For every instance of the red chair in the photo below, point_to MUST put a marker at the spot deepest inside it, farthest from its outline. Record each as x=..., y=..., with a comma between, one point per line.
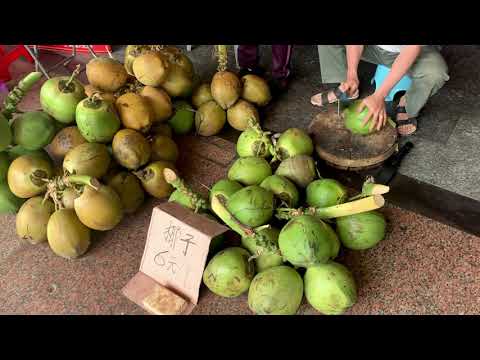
x=7, y=58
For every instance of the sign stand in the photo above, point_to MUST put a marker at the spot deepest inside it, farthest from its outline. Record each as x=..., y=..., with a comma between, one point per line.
x=173, y=262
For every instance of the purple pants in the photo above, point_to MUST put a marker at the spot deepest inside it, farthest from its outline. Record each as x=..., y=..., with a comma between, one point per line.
x=281, y=56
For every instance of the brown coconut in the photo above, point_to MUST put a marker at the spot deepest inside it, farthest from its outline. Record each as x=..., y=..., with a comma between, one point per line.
x=256, y=90
x=151, y=68
x=178, y=83
x=135, y=112
x=210, y=119
x=106, y=74
x=201, y=95
x=226, y=88
x=238, y=115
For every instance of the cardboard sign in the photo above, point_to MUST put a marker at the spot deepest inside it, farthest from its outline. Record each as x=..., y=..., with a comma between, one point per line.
x=98, y=49
x=173, y=262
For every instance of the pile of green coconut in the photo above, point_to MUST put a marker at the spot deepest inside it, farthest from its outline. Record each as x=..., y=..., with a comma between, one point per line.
x=95, y=151
x=292, y=224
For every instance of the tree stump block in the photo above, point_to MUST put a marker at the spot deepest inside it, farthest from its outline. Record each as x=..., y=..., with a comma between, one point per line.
x=343, y=150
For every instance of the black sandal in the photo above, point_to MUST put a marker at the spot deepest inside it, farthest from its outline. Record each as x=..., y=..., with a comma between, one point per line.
x=341, y=96
x=411, y=121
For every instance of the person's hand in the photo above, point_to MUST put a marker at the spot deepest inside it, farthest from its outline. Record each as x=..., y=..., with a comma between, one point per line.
x=376, y=111
x=350, y=85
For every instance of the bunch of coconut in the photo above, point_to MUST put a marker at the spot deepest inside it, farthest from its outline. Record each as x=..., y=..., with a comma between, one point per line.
x=89, y=157
x=292, y=224
x=228, y=99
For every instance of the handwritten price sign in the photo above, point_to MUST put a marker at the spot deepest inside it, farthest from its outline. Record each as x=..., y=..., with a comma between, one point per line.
x=175, y=253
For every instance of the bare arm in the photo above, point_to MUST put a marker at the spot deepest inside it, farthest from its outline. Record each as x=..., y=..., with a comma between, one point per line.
x=399, y=68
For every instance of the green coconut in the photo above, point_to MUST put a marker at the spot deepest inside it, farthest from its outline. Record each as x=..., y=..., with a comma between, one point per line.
x=254, y=142
x=225, y=187
x=183, y=119
x=300, y=169
x=201, y=95
x=4, y=165
x=226, y=88
x=250, y=170
x=32, y=219
x=90, y=159
x=306, y=241
x=33, y=130
x=276, y=291
x=130, y=190
x=361, y=231
x=59, y=97
x=252, y=205
x=5, y=133
x=210, y=119
x=283, y=189
x=293, y=142
x=354, y=119
x=330, y=288
x=67, y=236
x=27, y=176
x=9, y=203
x=326, y=192
x=256, y=90
x=240, y=115
x=97, y=120
x=264, y=258
x=229, y=273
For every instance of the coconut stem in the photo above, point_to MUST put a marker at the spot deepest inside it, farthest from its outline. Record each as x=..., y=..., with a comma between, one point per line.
x=73, y=76
x=197, y=200
x=83, y=180
x=16, y=95
x=369, y=188
x=222, y=56
x=350, y=208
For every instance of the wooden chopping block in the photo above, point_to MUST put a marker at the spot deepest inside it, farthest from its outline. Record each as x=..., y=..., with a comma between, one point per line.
x=341, y=149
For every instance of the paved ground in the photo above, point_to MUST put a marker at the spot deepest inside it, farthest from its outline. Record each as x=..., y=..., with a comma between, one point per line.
x=422, y=267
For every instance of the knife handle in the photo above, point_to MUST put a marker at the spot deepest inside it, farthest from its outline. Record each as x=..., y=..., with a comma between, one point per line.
x=402, y=152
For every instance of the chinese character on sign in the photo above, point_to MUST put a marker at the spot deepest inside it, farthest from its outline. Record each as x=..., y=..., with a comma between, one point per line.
x=172, y=265
x=171, y=234
x=187, y=240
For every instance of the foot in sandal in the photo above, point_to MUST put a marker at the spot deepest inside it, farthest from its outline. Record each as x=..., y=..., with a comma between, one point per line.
x=406, y=125
x=333, y=96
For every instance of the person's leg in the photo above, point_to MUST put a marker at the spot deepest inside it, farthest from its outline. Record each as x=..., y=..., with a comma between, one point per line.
x=429, y=73
x=281, y=58
x=248, y=56
x=333, y=63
